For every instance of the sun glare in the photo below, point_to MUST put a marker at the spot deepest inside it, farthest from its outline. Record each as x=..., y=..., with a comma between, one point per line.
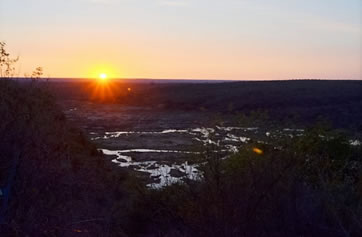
x=103, y=76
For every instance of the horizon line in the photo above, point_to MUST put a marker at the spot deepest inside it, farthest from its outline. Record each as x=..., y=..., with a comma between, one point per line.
x=196, y=79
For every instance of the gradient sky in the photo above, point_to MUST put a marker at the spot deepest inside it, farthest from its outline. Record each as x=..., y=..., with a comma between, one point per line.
x=199, y=39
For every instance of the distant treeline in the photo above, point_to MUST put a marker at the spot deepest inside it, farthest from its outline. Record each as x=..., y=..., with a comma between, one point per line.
x=303, y=102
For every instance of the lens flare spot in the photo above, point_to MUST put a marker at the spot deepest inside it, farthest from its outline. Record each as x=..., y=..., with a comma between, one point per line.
x=258, y=151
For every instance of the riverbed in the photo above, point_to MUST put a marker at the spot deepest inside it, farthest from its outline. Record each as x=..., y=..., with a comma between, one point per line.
x=164, y=147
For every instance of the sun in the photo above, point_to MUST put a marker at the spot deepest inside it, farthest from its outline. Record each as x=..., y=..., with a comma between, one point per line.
x=103, y=76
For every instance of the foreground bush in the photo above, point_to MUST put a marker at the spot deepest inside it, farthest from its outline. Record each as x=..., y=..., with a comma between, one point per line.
x=307, y=186
x=62, y=185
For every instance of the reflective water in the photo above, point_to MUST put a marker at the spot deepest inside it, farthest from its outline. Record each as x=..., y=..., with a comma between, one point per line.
x=172, y=169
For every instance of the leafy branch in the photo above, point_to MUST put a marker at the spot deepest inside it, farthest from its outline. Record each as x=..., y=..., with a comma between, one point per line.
x=7, y=64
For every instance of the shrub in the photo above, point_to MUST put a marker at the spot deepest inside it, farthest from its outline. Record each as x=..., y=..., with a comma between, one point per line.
x=306, y=186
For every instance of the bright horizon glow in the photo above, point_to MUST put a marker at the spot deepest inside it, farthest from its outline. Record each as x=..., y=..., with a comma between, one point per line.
x=185, y=39
x=103, y=76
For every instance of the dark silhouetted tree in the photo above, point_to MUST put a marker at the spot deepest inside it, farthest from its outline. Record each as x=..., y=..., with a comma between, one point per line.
x=37, y=73
x=7, y=63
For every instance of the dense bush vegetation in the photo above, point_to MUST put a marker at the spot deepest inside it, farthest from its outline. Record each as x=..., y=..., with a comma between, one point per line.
x=307, y=186
x=62, y=186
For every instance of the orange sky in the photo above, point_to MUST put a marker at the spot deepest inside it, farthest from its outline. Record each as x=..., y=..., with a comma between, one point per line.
x=184, y=39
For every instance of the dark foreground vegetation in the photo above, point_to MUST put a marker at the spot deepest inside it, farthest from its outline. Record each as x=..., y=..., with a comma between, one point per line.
x=306, y=186
x=62, y=185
